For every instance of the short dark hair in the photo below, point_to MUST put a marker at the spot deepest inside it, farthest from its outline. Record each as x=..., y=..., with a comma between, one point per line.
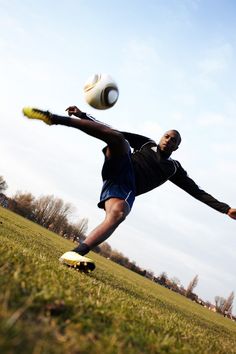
x=178, y=134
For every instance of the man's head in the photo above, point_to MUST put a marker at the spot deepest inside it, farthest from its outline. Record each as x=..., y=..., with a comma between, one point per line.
x=170, y=141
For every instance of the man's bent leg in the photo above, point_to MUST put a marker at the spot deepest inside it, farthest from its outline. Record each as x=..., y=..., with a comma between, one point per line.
x=116, y=212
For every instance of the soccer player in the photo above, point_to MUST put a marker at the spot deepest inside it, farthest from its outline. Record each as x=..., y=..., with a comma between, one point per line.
x=126, y=174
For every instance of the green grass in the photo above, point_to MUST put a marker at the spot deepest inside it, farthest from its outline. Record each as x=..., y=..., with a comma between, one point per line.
x=46, y=307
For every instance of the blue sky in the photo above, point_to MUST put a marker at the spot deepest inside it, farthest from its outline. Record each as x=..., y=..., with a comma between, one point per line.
x=174, y=62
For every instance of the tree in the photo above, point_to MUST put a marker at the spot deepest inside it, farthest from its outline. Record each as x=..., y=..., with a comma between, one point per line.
x=52, y=212
x=149, y=274
x=105, y=249
x=175, y=283
x=76, y=231
x=3, y=184
x=228, y=305
x=220, y=302
x=162, y=279
x=224, y=306
x=81, y=228
x=119, y=258
x=193, y=283
x=24, y=204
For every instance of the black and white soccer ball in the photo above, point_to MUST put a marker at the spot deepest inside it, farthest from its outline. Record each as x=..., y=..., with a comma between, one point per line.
x=101, y=91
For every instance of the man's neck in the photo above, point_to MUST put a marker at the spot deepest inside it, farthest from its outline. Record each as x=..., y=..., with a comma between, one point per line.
x=163, y=153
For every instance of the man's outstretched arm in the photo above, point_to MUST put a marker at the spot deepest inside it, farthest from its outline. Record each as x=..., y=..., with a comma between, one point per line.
x=182, y=180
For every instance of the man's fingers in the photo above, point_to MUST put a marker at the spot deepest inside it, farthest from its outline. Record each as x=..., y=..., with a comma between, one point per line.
x=70, y=110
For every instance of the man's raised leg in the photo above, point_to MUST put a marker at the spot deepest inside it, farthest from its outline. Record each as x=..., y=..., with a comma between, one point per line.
x=118, y=146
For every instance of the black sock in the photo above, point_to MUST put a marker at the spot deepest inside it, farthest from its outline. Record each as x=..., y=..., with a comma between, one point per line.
x=82, y=249
x=62, y=120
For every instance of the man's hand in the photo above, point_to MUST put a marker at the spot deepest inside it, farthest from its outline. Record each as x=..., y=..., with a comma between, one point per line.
x=73, y=110
x=232, y=213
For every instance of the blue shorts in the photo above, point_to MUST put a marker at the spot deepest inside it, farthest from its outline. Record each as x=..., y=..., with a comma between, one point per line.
x=118, y=180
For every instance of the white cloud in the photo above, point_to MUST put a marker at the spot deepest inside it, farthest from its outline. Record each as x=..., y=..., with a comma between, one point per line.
x=185, y=99
x=211, y=119
x=139, y=58
x=226, y=148
x=216, y=60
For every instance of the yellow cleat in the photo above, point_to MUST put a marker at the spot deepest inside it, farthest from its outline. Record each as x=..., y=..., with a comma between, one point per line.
x=81, y=263
x=35, y=113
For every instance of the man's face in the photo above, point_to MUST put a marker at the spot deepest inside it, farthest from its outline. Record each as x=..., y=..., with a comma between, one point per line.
x=170, y=141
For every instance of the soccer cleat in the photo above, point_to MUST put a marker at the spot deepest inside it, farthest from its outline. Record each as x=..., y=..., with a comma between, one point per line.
x=81, y=263
x=35, y=113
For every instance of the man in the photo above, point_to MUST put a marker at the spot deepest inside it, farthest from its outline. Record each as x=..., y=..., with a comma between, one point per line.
x=126, y=174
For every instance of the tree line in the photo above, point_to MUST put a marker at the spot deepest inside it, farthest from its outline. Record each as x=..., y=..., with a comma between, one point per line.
x=54, y=214
x=48, y=211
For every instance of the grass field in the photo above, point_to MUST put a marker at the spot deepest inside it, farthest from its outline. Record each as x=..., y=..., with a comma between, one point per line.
x=46, y=307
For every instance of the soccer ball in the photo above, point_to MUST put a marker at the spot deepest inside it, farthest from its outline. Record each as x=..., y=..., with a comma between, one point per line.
x=101, y=91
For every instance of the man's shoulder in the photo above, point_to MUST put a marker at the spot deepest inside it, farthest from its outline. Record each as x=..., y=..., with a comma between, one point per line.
x=152, y=145
x=149, y=145
x=175, y=162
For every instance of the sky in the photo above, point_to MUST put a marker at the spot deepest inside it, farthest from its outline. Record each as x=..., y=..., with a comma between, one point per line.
x=174, y=62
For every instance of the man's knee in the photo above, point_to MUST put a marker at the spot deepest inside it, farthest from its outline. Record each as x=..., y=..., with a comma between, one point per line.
x=118, y=214
x=117, y=143
x=116, y=137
